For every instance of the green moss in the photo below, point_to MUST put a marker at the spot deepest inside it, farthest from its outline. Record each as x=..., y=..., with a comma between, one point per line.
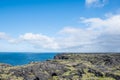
x=55, y=78
x=117, y=72
x=9, y=77
x=66, y=73
x=75, y=77
x=105, y=78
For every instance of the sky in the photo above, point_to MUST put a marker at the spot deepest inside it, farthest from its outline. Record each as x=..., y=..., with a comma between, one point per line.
x=59, y=25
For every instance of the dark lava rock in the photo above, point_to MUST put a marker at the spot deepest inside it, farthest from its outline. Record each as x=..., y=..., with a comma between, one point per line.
x=117, y=77
x=97, y=73
x=39, y=71
x=61, y=56
x=2, y=65
x=65, y=67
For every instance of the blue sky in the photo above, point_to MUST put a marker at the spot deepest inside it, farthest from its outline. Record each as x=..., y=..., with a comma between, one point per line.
x=60, y=25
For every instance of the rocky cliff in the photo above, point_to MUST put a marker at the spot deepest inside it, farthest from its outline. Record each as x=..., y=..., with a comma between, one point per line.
x=67, y=66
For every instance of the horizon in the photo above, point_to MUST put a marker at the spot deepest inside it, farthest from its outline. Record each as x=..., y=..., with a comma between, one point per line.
x=60, y=26
x=65, y=52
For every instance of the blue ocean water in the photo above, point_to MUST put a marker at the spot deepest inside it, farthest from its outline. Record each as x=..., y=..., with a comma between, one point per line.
x=20, y=58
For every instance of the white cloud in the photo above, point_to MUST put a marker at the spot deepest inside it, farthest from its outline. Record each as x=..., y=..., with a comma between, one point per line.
x=100, y=34
x=95, y=3
x=76, y=37
x=39, y=40
x=109, y=25
x=108, y=30
x=3, y=35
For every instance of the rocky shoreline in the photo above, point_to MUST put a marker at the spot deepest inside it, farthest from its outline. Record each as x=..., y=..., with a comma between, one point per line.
x=67, y=66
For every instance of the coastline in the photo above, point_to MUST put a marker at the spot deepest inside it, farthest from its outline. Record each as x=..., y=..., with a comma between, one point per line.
x=66, y=66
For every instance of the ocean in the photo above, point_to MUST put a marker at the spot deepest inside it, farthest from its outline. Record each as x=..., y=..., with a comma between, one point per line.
x=21, y=58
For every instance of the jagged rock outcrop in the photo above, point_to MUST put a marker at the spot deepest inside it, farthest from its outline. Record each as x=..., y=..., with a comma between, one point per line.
x=67, y=66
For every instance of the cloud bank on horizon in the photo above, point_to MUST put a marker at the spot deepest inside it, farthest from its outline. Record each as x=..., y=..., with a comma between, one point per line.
x=100, y=34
